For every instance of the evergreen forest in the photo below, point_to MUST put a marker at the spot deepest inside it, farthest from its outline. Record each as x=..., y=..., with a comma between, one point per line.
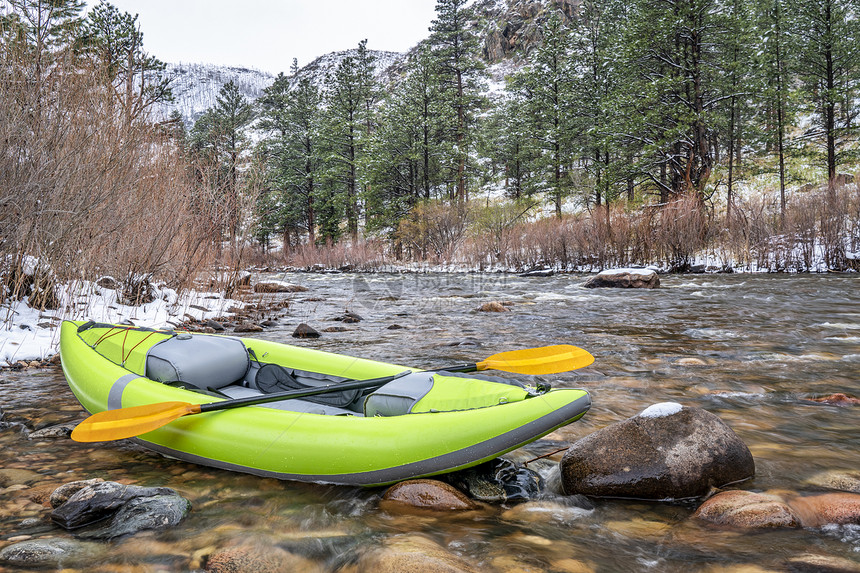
x=626, y=133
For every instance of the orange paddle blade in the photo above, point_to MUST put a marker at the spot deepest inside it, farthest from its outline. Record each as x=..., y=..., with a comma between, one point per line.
x=130, y=422
x=543, y=360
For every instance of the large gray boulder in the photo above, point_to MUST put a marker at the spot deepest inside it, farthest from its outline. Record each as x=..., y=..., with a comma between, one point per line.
x=668, y=451
x=624, y=278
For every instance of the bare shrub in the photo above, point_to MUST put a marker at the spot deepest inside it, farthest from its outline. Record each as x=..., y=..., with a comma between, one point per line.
x=86, y=191
x=434, y=230
x=496, y=232
x=682, y=231
x=365, y=255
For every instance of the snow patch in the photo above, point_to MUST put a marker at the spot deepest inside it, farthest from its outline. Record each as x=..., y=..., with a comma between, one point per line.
x=661, y=410
x=28, y=334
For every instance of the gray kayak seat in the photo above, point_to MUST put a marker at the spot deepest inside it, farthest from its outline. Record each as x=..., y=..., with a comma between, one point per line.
x=398, y=397
x=199, y=362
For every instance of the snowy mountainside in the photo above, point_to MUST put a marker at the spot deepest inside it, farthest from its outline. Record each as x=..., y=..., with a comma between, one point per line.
x=383, y=64
x=196, y=86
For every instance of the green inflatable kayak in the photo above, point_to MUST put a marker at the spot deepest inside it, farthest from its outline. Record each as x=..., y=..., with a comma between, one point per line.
x=417, y=424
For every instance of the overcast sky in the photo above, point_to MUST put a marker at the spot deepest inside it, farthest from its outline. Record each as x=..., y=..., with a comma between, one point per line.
x=268, y=34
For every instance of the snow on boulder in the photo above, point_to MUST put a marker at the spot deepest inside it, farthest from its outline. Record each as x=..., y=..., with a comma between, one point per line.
x=668, y=451
x=661, y=410
x=624, y=278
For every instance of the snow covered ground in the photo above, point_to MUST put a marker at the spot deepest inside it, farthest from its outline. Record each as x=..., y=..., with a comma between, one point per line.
x=32, y=335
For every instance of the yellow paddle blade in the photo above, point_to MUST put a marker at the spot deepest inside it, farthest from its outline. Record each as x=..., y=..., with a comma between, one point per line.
x=130, y=422
x=543, y=360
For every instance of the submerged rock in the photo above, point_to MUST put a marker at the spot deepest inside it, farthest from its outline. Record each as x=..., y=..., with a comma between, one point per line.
x=829, y=508
x=130, y=509
x=54, y=553
x=747, y=509
x=498, y=481
x=18, y=476
x=271, y=287
x=812, y=563
x=427, y=494
x=248, y=327
x=58, y=431
x=404, y=553
x=841, y=480
x=493, y=306
x=838, y=399
x=62, y=494
x=551, y=512
x=141, y=514
x=256, y=558
x=624, y=278
x=668, y=451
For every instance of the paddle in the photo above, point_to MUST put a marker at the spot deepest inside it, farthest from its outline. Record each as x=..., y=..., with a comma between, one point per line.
x=129, y=422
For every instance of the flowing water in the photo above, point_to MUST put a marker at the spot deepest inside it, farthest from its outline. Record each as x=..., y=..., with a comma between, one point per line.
x=752, y=349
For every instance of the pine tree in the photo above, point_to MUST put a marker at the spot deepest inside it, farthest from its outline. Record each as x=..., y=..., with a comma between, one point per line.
x=218, y=140
x=35, y=33
x=507, y=138
x=774, y=79
x=595, y=119
x=291, y=116
x=737, y=76
x=825, y=34
x=673, y=51
x=460, y=73
x=349, y=97
x=547, y=85
x=403, y=161
x=116, y=42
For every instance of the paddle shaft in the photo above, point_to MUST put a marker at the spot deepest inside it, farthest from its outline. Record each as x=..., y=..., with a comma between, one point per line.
x=302, y=393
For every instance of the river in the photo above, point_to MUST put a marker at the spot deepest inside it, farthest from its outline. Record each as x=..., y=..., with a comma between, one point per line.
x=752, y=349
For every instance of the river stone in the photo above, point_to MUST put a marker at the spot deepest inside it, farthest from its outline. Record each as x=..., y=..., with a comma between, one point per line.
x=62, y=494
x=248, y=327
x=412, y=554
x=837, y=508
x=811, y=563
x=143, y=513
x=17, y=476
x=843, y=480
x=498, y=481
x=58, y=431
x=428, y=494
x=493, y=306
x=668, y=451
x=838, y=399
x=257, y=559
x=305, y=331
x=547, y=512
x=747, y=509
x=624, y=278
x=54, y=553
x=100, y=500
x=278, y=287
